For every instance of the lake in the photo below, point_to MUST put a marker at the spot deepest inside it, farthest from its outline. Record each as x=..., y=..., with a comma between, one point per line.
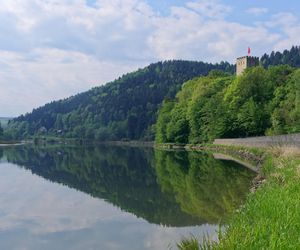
x=109, y=197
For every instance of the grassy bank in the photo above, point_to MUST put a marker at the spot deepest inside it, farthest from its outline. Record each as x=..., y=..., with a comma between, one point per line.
x=270, y=218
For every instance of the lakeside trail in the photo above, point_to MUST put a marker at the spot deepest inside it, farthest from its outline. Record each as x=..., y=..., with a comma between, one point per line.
x=270, y=217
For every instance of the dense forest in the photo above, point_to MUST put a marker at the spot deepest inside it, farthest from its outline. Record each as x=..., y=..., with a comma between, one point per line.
x=216, y=106
x=259, y=102
x=123, y=109
x=288, y=57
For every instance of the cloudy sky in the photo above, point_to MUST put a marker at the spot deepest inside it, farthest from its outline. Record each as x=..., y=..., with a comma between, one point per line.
x=51, y=49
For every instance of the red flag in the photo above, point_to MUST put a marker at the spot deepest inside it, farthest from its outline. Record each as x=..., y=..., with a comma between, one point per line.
x=249, y=51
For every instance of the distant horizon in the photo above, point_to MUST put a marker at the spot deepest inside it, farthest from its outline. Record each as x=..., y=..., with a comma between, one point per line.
x=134, y=70
x=17, y=115
x=51, y=50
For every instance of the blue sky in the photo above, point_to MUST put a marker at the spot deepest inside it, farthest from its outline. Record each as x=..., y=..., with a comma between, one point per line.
x=56, y=48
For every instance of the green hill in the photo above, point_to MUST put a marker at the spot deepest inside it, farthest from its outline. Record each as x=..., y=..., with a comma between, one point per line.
x=123, y=109
x=127, y=108
x=260, y=101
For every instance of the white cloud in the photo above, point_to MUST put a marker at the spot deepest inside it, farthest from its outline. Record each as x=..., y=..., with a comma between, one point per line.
x=290, y=27
x=187, y=34
x=257, y=11
x=31, y=80
x=282, y=20
x=53, y=49
x=209, y=8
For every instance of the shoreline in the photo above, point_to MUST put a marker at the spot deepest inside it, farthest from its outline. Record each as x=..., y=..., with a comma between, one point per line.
x=249, y=157
x=275, y=190
x=12, y=143
x=271, y=205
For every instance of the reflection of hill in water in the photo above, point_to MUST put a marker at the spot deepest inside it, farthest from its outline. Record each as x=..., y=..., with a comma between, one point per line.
x=121, y=176
x=208, y=188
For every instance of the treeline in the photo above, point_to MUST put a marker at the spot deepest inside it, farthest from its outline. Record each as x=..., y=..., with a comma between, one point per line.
x=288, y=57
x=123, y=109
x=1, y=132
x=259, y=102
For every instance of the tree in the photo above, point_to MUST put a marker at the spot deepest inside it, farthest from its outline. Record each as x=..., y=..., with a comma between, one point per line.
x=285, y=117
x=163, y=120
x=1, y=130
x=178, y=127
x=247, y=98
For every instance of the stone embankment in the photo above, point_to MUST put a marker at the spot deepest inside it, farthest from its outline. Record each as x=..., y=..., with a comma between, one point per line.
x=291, y=140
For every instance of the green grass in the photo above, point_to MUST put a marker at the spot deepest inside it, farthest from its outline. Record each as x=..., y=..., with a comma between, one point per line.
x=188, y=244
x=270, y=218
x=193, y=243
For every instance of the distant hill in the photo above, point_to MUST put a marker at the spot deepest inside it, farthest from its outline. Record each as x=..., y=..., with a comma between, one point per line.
x=127, y=107
x=123, y=109
x=4, y=121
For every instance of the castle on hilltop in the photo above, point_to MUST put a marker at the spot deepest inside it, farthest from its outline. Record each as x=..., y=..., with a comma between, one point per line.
x=245, y=62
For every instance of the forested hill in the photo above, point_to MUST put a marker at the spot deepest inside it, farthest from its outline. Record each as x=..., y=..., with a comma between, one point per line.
x=288, y=57
x=259, y=102
x=123, y=109
x=127, y=107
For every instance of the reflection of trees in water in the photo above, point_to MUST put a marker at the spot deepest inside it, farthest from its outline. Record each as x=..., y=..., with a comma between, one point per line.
x=208, y=188
x=122, y=176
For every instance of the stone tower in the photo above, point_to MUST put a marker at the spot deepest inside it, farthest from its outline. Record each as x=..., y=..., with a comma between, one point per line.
x=245, y=62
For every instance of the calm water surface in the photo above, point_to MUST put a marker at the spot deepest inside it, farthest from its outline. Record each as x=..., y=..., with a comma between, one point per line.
x=106, y=197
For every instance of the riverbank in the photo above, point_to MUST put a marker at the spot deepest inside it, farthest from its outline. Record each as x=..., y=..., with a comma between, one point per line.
x=88, y=142
x=10, y=143
x=270, y=217
x=251, y=158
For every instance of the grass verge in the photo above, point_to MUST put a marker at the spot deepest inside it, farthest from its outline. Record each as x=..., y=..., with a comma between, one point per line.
x=270, y=218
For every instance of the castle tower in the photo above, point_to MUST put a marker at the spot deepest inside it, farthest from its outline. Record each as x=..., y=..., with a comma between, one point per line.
x=245, y=62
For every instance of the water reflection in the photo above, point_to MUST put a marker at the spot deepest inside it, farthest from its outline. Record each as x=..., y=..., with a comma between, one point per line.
x=121, y=176
x=206, y=188
x=38, y=214
x=177, y=193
